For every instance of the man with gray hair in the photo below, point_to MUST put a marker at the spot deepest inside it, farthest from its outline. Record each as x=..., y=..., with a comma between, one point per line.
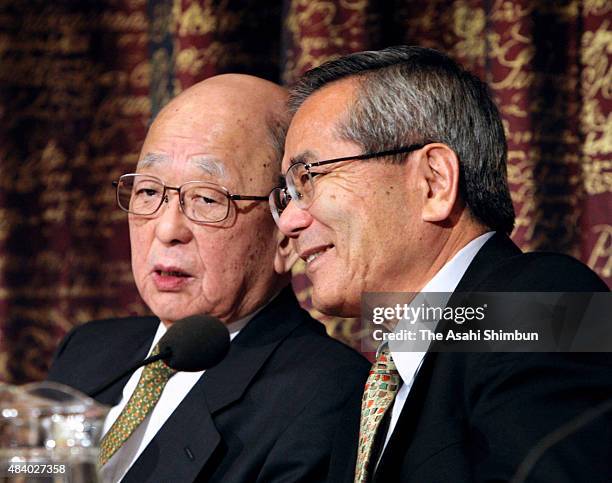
x=395, y=170
x=280, y=404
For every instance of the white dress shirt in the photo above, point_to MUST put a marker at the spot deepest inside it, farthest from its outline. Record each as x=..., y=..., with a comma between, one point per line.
x=177, y=387
x=445, y=281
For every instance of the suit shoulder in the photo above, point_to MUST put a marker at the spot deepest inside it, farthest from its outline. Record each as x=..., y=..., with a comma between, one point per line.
x=315, y=364
x=106, y=326
x=98, y=335
x=545, y=272
x=328, y=350
x=98, y=332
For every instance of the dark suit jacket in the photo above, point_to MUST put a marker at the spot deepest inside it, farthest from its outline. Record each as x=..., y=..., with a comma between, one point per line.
x=474, y=416
x=283, y=406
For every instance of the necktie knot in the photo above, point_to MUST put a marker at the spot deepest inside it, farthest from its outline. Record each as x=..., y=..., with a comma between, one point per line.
x=384, y=362
x=159, y=368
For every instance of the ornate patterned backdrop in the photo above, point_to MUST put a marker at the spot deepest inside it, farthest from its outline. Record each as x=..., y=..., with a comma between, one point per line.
x=79, y=81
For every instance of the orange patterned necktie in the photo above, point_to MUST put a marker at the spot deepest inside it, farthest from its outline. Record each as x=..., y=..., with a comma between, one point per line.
x=380, y=390
x=144, y=398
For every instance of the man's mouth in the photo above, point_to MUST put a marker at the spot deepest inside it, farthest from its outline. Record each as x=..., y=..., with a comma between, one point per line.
x=313, y=253
x=170, y=278
x=171, y=273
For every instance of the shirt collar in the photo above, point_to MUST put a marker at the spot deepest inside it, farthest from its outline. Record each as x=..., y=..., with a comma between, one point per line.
x=448, y=277
x=446, y=281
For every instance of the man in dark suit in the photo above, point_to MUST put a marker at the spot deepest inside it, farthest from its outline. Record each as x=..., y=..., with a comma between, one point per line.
x=395, y=170
x=280, y=405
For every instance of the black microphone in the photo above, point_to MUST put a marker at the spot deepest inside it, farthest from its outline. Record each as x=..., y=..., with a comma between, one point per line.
x=191, y=344
x=195, y=343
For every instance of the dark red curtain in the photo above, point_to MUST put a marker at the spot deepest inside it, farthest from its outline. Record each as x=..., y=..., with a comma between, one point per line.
x=80, y=80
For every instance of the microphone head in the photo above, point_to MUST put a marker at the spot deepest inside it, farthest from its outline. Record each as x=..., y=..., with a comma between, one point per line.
x=195, y=343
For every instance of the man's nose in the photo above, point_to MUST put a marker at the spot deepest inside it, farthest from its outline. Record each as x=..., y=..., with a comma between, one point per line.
x=172, y=225
x=293, y=220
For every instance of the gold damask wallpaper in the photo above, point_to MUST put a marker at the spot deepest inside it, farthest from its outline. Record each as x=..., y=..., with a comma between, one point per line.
x=79, y=82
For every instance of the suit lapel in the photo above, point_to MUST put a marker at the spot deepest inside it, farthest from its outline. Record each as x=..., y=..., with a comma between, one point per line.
x=182, y=446
x=227, y=382
x=392, y=460
x=398, y=454
x=188, y=439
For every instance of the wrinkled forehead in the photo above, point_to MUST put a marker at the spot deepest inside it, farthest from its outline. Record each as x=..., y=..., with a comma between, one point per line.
x=238, y=174
x=208, y=165
x=220, y=145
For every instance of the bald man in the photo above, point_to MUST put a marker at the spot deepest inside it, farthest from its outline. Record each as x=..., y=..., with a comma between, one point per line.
x=284, y=403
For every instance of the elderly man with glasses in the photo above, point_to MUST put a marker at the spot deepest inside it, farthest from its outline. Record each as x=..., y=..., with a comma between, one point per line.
x=280, y=405
x=427, y=209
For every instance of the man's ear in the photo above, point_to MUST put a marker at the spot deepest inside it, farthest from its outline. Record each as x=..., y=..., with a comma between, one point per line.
x=439, y=172
x=285, y=256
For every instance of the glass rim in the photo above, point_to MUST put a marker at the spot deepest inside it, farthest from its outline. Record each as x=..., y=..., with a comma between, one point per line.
x=221, y=188
x=307, y=165
x=214, y=186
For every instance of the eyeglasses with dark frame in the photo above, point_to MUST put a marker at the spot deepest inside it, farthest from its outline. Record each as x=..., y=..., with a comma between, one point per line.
x=299, y=186
x=200, y=201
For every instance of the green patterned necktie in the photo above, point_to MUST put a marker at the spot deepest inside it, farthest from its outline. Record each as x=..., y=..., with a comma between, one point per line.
x=380, y=390
x=144, y=398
